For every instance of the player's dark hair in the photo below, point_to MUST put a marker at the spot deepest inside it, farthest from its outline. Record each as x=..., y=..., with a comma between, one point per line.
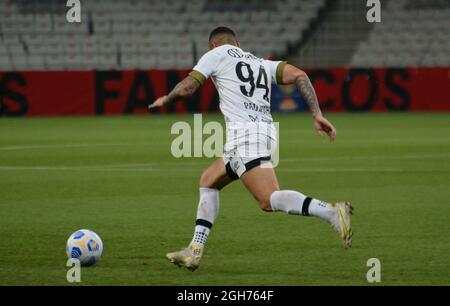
x=221, y=30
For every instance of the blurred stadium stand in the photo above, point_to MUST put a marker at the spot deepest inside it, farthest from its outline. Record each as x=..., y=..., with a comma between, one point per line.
x=413, y=33
x=334, y=38
x=121, y=34
x=155, y=34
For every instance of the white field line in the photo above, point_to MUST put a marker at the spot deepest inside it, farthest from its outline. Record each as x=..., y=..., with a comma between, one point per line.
x=300, y=170
x=376, y=157
x=365, y=170
x=87, y=169
x=183, y=165
x=288, y=160
x=192, y=162
x=62, y=146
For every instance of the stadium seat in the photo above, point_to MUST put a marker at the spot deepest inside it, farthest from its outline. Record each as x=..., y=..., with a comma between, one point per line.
x=147, y=48
x=107, y=47
x=147, y=61
x=129, y=47
x=102, y=27
x=73, y=60
x=108, y=61
x=55, y=61
x=55, y=49
x=36, y=62
x=3, y=49
x=184, y=61
x=129, y=61
x=91, y=60
x=16, y=49
x=166, y=60
x=89, y=47
x=37, y=49
x=119, y=26
x=5, y=62
x=19, y=61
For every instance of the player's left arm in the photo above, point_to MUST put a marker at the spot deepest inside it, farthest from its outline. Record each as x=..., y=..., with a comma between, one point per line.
x=294, y=75
x=185, y=88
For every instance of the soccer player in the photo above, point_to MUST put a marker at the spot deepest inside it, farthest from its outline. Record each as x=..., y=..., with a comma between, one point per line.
x=244, y=85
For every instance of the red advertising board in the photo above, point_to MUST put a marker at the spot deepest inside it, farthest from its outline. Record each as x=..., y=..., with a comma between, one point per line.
x=49, y=93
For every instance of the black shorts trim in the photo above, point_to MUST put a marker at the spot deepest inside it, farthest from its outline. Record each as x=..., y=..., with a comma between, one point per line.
x=230, y=172
x=255, y=163
x=248, y=166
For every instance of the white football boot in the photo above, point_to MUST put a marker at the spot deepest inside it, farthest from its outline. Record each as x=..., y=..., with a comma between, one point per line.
x=188, y=258
x=341, y=223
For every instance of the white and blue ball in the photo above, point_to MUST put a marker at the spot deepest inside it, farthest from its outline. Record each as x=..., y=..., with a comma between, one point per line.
x=86, y=246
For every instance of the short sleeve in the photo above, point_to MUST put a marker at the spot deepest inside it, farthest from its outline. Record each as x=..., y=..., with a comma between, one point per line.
x=206, y=66
x=276, y=69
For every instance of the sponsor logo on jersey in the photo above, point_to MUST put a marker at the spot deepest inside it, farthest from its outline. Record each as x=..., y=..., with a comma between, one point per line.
x=235, y=53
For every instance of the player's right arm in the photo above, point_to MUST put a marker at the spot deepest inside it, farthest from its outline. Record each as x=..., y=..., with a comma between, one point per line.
x=205, y=67
x=294, y=75
x=185, y=88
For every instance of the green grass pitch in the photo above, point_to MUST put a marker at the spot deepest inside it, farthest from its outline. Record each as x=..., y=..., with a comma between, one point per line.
x=116, y=175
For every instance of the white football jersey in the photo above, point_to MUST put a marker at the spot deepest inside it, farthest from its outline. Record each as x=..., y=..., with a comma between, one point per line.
x=242, y=80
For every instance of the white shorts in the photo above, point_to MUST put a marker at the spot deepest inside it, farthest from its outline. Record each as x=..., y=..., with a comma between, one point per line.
x=248, y=145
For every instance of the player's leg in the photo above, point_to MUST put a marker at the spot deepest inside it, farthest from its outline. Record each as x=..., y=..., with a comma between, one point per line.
x=215, y=176
x=213, y=179
x=262, y=183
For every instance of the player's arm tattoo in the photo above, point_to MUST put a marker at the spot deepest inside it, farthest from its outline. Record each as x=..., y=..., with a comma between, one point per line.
x=185, y=88
x=309, y=94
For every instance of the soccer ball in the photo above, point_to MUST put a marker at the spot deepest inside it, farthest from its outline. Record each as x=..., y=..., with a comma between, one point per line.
x=86, y=246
